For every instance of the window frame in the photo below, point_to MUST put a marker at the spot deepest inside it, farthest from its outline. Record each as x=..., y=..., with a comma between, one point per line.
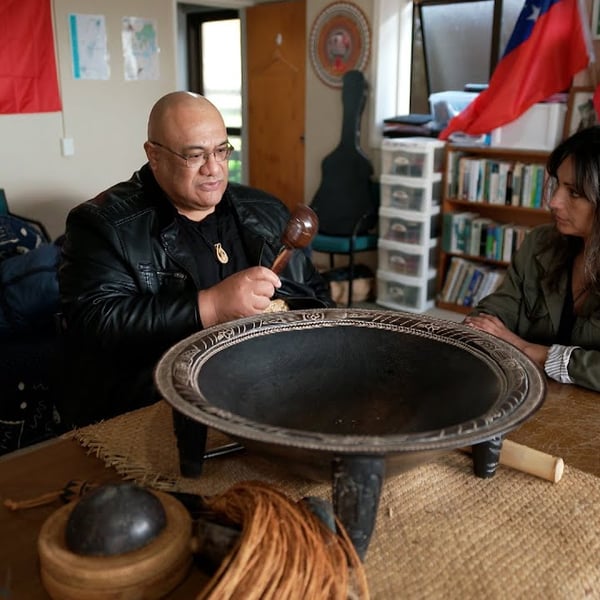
x=194, y=24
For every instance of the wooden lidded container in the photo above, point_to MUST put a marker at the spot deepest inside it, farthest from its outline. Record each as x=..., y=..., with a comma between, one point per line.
x=149, y=572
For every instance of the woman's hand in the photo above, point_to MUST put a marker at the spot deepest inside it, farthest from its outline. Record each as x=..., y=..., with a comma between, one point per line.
x=491, y=324
x=494, y=326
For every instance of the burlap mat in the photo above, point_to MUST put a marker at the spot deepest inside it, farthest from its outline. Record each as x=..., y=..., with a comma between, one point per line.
x=440, y=533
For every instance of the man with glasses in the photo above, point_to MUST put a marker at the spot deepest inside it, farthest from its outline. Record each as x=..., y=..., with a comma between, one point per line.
x=174, y=249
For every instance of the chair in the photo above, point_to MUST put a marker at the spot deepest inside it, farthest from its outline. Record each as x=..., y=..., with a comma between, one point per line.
x=347, y=200
x=348, y=245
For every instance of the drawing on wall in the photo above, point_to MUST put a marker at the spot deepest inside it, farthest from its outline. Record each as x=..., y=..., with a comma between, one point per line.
x=89, y=49
x=140, y=48
x=339, y=42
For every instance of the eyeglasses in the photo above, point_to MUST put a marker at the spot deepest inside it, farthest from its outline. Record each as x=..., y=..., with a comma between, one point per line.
x=201, y=158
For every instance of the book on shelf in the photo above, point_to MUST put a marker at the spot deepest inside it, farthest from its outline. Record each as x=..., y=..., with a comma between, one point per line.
x=454, y=277
x=471, y=234
x=452, y=160
x=520, y=231
x=517, y=175
x=476, y=279
x=499, y=186
x=494, y=181
x=534, y=176
x=508, y=242
x=489, y=284
x=467, y=282
x=509, y=183
x=465, y=175
x=493, y=241
x=473, y=179
x=463, y=234
x=525, y=186
x=481, y=290
x=478, y=236
x=497, y=240
x=500, y=233
x=456, y=231
x=477, y=182
x=539, y=187
x=504, y=181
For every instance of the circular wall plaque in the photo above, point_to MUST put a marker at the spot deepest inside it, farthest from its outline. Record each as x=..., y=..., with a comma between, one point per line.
x=340, y=41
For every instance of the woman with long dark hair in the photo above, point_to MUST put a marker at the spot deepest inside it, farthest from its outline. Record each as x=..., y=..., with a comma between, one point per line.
x=548, y=305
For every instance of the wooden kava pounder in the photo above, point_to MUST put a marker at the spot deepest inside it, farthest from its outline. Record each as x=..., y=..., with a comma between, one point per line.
x=299, y=232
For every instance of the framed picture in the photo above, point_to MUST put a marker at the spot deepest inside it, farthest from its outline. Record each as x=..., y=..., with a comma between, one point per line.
x=580, y=110
x=340, y=41
x=596, y=20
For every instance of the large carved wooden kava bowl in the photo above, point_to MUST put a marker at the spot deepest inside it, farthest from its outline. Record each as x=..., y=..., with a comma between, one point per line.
x=348, y=395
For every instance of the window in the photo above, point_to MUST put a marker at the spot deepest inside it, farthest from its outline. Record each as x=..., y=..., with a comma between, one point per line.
x=215, y=71
x=401, y=85
x=456, y=43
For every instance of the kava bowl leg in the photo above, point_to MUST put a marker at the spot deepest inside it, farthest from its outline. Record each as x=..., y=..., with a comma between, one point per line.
x=191, y=444
x=357, y=482
x=486, y=457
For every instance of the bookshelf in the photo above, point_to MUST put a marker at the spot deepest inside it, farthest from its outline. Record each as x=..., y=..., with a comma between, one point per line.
x=491, y=197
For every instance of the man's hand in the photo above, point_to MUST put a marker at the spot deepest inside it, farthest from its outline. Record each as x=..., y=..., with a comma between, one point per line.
x=495, y=326
x=242, y=294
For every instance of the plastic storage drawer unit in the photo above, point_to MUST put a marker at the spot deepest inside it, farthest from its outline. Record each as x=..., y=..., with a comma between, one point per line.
x=409, y=227
x=405, y=293
x=405, y=259
x=409, y=193
x=412, y=157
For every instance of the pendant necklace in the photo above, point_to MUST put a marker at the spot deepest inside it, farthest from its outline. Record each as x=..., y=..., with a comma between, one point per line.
x=220, y=253
x=214, y=228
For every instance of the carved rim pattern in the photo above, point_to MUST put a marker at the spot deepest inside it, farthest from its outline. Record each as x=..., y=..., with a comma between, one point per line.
x=522, y=384
x=340, y=41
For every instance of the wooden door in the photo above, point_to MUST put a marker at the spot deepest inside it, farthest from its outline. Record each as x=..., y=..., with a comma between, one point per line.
x=276, y=65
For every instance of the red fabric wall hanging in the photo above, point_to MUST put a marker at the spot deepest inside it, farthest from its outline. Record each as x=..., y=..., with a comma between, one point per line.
x=28, y=75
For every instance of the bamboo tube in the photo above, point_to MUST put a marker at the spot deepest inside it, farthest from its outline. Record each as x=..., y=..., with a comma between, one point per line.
x=530, y=461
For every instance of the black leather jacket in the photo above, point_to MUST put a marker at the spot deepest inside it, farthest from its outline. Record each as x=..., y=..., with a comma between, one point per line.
x=127, y=293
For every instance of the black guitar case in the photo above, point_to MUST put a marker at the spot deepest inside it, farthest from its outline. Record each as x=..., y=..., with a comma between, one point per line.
x=347, y=193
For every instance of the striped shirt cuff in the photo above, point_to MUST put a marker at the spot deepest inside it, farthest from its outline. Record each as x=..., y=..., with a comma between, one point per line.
x=557, y=363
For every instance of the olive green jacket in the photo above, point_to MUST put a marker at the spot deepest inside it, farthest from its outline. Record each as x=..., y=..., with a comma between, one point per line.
x=526, y=305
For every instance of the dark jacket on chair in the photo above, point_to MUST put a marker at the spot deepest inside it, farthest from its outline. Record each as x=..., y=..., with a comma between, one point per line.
x=128, y=293
x=30, y=350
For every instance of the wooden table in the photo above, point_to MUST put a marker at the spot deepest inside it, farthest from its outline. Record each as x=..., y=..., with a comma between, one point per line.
x=567, y=425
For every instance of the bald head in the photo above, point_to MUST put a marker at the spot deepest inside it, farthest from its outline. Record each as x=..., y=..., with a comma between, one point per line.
x=174, y=110
x=184, y=125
